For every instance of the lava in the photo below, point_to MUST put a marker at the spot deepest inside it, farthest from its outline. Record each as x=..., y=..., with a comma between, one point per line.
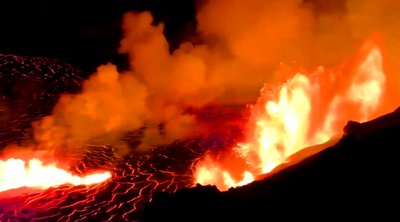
x=17, y=173
x=305, y=111
x=232, y=58
x=135, y=177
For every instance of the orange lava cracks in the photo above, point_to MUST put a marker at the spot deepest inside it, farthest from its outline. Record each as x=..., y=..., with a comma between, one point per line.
x=17, y=173
x=135, y=178
x=306, y=110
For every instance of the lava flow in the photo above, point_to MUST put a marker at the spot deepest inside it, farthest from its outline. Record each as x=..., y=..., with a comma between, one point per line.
x=16, y=173
x=305, y=111
x=135, y=177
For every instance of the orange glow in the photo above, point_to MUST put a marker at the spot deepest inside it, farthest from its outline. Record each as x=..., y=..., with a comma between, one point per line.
x=16, y=173
x=306, y=110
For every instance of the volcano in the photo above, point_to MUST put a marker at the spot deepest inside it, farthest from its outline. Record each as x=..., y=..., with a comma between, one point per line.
x=359, y=170
x=176, y=131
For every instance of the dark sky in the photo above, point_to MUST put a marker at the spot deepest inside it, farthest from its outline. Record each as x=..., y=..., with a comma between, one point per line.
x=84, y=33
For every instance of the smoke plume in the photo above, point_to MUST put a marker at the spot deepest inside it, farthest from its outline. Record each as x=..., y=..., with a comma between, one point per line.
x=244, y=44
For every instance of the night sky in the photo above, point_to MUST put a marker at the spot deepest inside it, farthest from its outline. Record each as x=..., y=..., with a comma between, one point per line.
x=84, y=33
x=87, y=33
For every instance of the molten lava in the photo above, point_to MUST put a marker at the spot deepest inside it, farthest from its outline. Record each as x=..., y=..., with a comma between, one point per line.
x=304, y=111
x=16, y=173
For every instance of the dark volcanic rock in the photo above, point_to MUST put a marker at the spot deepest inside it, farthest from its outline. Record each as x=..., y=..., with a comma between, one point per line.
x=356, y=178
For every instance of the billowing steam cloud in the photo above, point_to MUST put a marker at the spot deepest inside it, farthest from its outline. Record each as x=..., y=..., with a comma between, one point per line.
x=264, y=37
x=244, y=45
x=157, y=90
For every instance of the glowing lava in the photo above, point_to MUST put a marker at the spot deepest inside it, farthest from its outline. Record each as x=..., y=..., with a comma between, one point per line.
x=304, y=111
x=16, y=173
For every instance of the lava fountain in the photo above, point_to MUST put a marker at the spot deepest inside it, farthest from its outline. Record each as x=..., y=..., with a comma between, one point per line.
x=17, y=173
x=304, y=111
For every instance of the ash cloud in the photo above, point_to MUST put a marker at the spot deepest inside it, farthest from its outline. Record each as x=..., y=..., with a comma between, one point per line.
x=244, y=44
